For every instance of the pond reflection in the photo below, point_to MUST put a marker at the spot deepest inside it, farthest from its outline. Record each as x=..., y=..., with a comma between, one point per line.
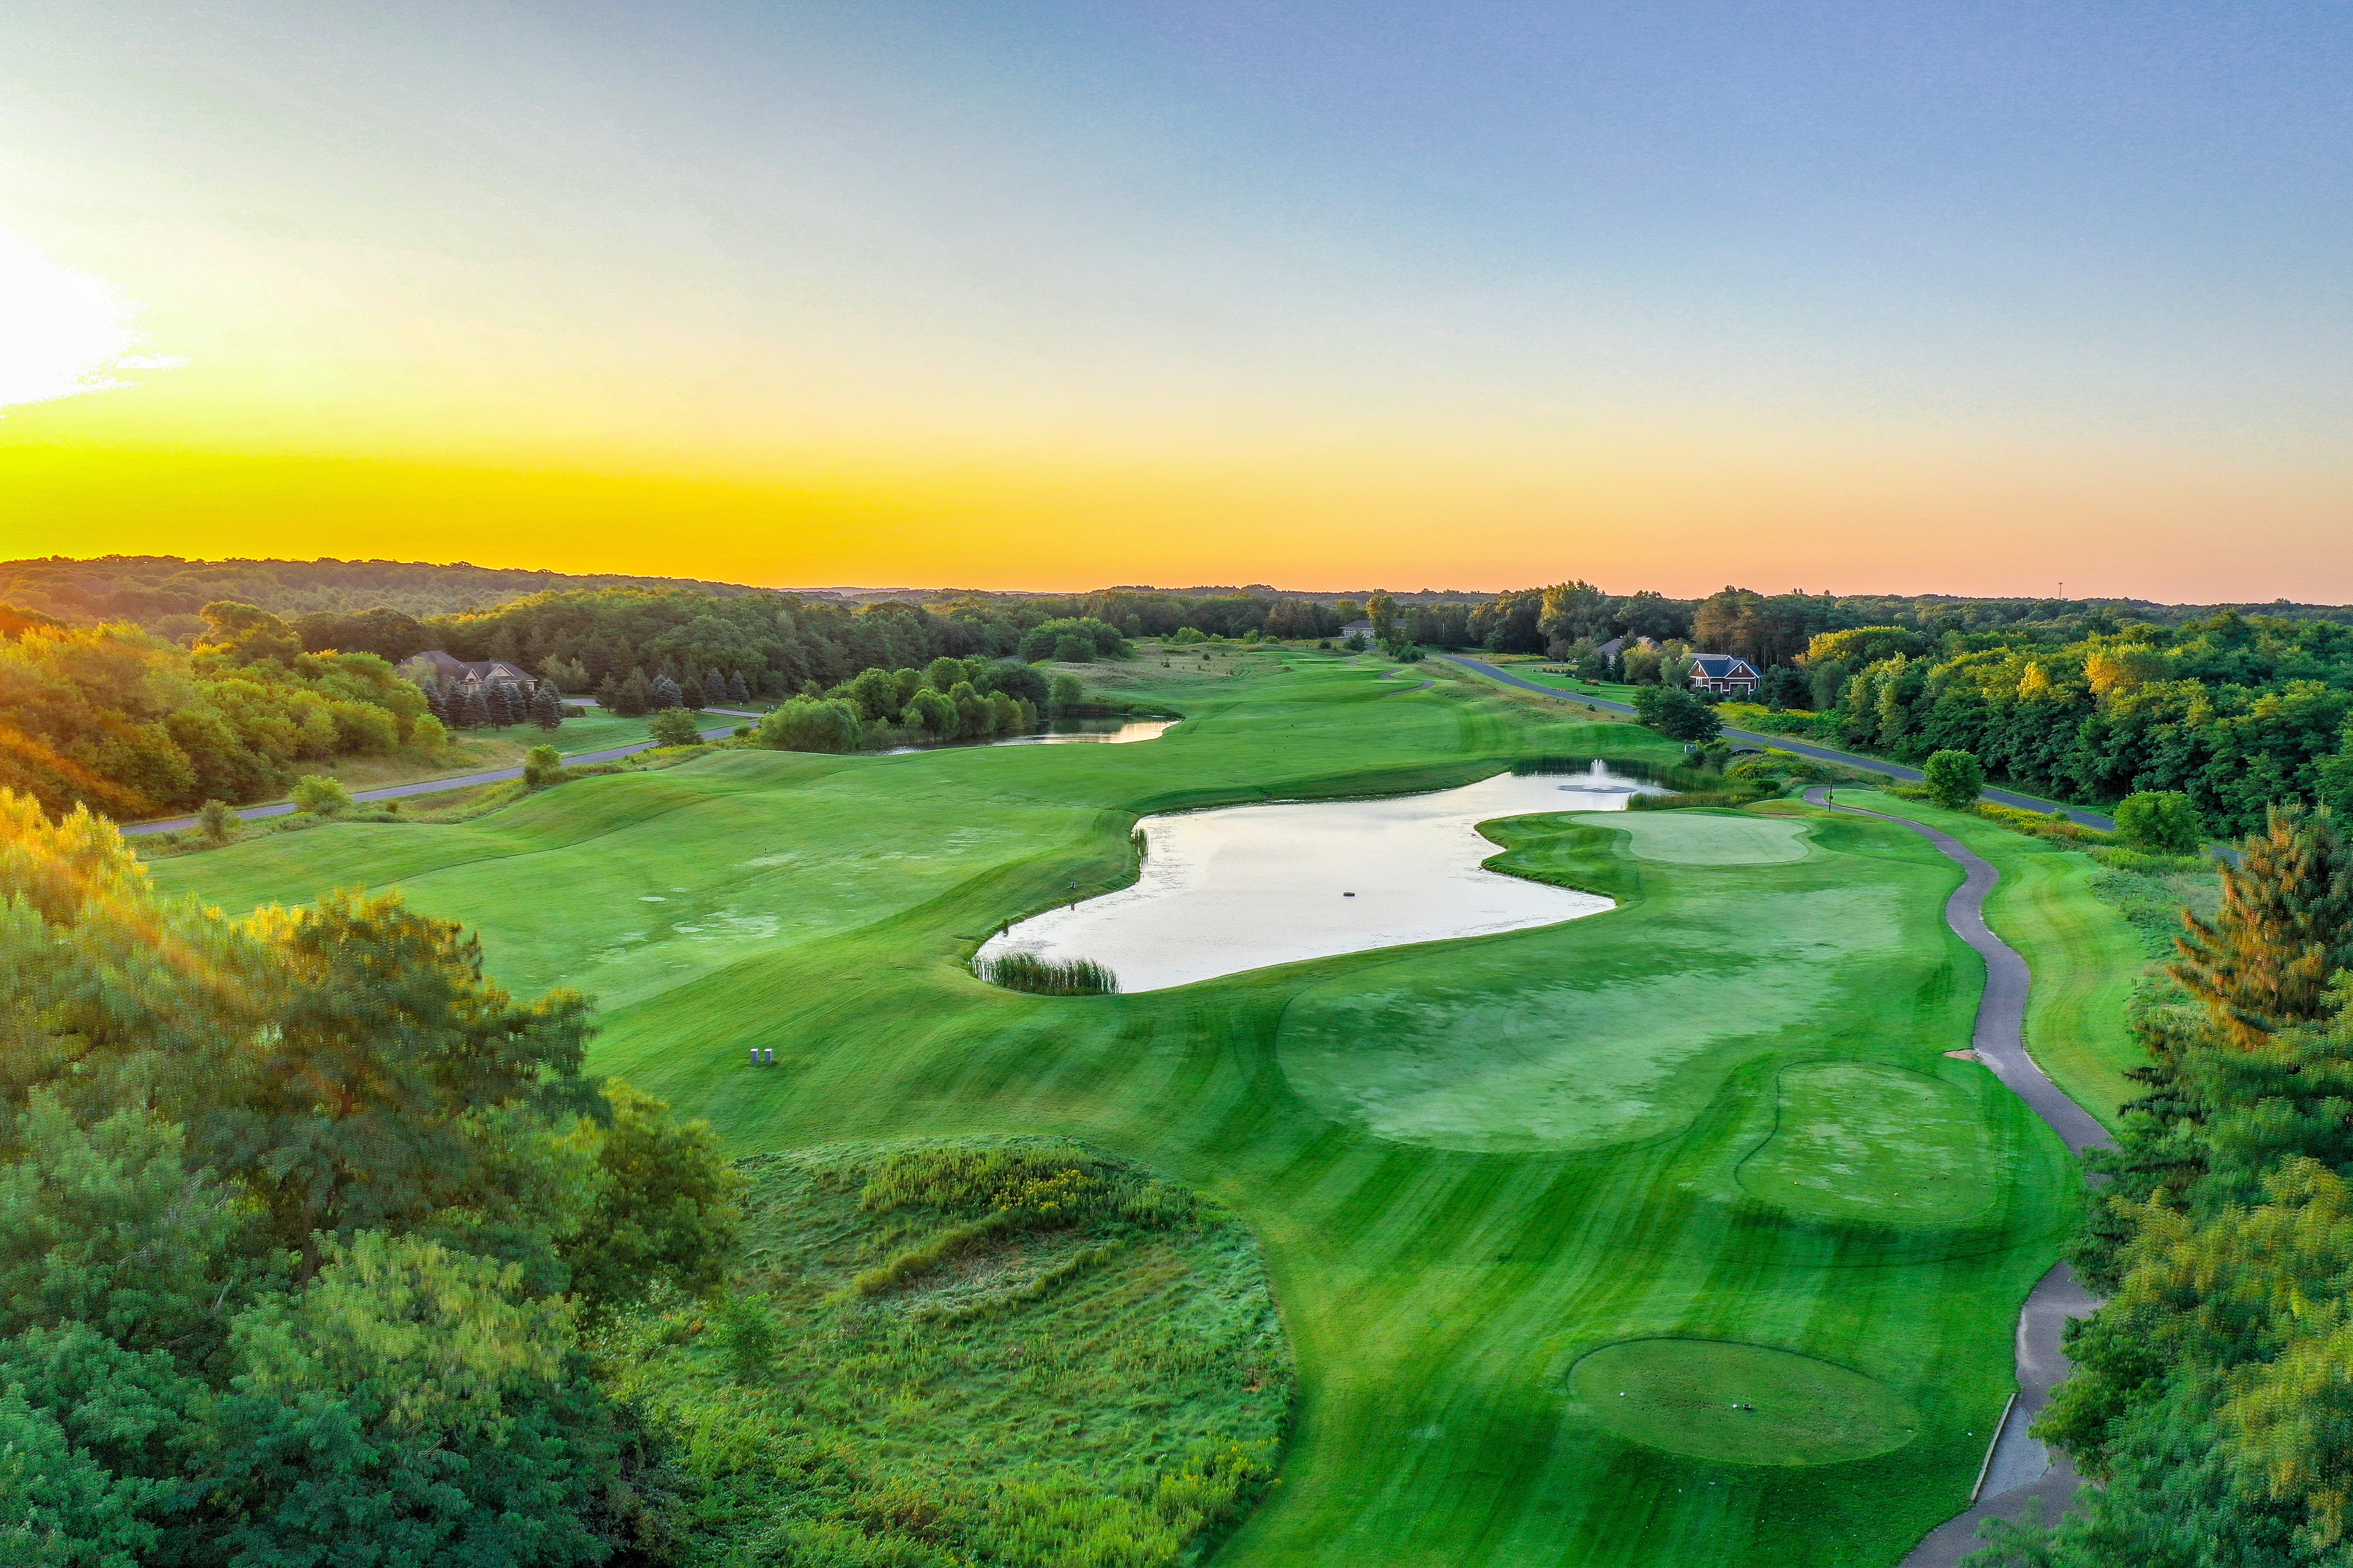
x=1246, y=886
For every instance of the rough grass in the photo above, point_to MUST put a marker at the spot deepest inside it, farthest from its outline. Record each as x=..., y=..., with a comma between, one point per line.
x=1437, y=1296
x=2085, y=954
x=1020, y=1352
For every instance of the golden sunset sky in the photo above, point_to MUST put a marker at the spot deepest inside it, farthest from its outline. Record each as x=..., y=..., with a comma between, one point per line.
x=1974, y=298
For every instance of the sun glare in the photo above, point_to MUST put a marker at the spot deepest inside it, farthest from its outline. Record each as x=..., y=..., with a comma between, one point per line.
x=62, y=331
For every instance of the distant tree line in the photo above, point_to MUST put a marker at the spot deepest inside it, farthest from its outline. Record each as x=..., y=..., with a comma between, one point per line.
x=166, y=594
x=2236, y=713
x=2060, y=696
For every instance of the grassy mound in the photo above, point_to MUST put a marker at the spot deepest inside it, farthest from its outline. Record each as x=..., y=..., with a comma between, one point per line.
x=1855, y=1141
x=1015, y=1351
x=1708, y=837
x=1739, y=1404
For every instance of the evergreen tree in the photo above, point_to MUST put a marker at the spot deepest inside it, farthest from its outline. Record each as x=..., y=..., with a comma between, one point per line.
x=498, y=697
x=437, y=700
x=2284, y=928
x=691, y=693
x=666, y=694
x=633, y=697
x=547, y=707
x=714, y=687
x=739, y=692
x=473, y=709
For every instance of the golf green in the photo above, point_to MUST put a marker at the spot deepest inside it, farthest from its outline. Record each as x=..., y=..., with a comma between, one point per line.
x=1470, y=1165
x=1706, y=838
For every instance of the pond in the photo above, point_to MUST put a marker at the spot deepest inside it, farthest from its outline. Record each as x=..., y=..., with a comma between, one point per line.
x=1249, y=885
x=1069, y=732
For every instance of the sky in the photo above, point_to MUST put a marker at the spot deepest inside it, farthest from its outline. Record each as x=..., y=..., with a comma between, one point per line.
x=1883, y=297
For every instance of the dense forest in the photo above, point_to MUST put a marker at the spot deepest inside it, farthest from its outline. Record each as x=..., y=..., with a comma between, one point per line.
x=133, y=724
x=2212, y=1398
x=302, y=1224
x=2236, y=713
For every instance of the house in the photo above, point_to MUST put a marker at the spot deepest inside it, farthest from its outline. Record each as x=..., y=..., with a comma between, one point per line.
x=1618, y=648
x=1359, y=629
x=435, y=665
x=1723, y=674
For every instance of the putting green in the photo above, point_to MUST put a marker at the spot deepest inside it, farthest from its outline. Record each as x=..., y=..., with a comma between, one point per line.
x=1740, y=1404
x=1467, y=1162
x=1624, y=1031
x=1706, y=838
x=1859, y=1141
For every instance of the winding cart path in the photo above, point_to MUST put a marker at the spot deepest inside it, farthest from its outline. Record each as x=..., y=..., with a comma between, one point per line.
x=2019, y=1470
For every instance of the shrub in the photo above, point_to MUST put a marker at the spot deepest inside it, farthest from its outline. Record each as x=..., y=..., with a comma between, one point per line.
x=1060, y=639
x=1068, y=693
x=217, y=821
x=2159, y=822
x=1046, y=977
x=1954, y=779
x=673, y=727
x=541, y=767
x=810, y=724
x=429, y=735
x=320, y=796
x=1677, y=714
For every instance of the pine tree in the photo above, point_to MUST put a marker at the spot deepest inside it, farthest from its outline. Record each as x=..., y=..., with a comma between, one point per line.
x=2262, y=964
x=689, y=692
x=634, y=695
x=498, y=697
x=738, y=691
x=666, y=694
x=473, y=712
x=714, y=687
x=437, y=701
x=546, y=709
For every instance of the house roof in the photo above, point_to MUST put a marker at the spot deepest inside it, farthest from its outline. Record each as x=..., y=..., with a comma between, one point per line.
x=1723, y=666
x=443, y=664
x=1364, y=626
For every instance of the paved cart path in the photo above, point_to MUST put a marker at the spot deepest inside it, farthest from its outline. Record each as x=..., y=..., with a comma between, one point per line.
x=435, y=786
x=1803, y=748
x=2019, y=1470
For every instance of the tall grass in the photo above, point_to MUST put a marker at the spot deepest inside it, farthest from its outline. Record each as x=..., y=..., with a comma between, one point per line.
x=1047, y=977
x=1014, y=1353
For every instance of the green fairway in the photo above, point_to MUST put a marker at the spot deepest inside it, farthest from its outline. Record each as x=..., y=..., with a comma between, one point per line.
x=1720, y=1115
x=2084, y=954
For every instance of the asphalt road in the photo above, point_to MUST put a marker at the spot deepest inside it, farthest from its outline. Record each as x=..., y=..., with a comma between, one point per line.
x=2020, y=1472
x=1803, y=748
x=435, y=786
